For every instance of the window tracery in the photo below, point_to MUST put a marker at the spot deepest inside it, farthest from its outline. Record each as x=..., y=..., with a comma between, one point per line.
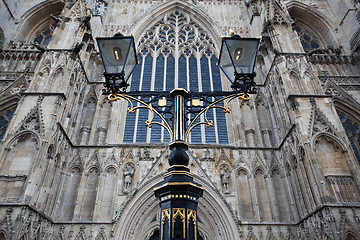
x=176, y=53
x=308, y=40
x=43, y=36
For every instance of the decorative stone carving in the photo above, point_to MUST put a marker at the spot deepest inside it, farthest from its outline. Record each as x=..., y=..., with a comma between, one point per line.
x=128, y=178
x=146, y=156
x=225, y=178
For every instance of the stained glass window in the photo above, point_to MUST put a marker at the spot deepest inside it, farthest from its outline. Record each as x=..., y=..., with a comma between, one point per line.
x=308, y=40
x=176, y=53
x=44, y=36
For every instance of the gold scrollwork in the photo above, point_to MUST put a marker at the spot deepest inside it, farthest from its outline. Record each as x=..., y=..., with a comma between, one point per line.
x=117, y=96
x=165, y=214
x=226, y=108
x=191, y=215
x=178, y=212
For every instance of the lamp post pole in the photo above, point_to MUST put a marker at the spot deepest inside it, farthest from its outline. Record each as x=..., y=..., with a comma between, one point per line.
x=178, y=193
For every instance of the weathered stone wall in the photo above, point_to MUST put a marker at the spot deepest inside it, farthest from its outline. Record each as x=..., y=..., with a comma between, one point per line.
x=289, y=171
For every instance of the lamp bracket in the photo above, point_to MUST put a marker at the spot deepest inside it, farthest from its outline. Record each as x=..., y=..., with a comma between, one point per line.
x=244, y=82
x=114, y=83
x=209, y=100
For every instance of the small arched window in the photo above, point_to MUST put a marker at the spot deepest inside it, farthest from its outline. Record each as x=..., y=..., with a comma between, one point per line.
x=43, y=36
x=308, y=40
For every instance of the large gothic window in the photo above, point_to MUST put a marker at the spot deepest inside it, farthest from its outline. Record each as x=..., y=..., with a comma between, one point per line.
x=176, y=53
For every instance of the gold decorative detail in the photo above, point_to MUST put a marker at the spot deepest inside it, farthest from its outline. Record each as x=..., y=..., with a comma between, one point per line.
x=178, y=184
x=117, y=96
x=191, y=214
x=176, y=212
x=226, y=108
x=165, y=214
x=195, y=102
x=178, y=173
x=162, y=103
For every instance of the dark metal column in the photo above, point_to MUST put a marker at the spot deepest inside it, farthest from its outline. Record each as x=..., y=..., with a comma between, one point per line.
x=178, y=193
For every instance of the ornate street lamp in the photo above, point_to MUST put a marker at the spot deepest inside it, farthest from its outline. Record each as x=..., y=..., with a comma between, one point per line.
x=178, y=193
x=118, y=55
x=237, y=61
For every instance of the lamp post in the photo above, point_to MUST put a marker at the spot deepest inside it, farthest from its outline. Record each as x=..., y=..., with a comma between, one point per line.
x=178, y=193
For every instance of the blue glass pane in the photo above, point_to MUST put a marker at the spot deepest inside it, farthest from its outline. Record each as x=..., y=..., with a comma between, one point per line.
x=210, y=131
x=146, y=83
x=46, y=41
x=156, y=130
x=196, y=133
x=141, y=126
x=9, y=114
x=193, y=75
x=159, y=76
x=182, y=73
x=129, y=127
x=205, y=76
x=222, y=129
x=143, y=113
x=130, y=118
x=134, y=86
x=159, y=81
x=170, y=73
x=215, y=70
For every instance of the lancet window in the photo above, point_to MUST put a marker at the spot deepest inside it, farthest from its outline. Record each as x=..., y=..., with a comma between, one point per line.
x=176, y=53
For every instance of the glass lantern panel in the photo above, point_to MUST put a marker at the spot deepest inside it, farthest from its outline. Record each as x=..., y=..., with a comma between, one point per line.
x=114, y=52
x=225, y=62
x=243, y=52
x=131, y=60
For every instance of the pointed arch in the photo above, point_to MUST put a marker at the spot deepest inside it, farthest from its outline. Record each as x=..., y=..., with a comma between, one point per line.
x=3, y=235
x=35, y=18
x=177, y=50
x=330, y=152
x=316, y=22
x=245, y=197
x=262, y=194
x=211, y=209
x=281, y=195
x=70, y=193
x=264, y=119
x=103, y=121
x=90, y=193
x=109, y=192
x=350, y=235
x=88, y=113
x=213, y=29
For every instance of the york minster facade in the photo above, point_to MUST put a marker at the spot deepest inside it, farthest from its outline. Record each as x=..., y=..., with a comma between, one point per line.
x=283, y=165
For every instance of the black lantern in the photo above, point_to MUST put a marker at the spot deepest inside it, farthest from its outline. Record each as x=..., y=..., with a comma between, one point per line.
x=237, y=61
x=118, y=54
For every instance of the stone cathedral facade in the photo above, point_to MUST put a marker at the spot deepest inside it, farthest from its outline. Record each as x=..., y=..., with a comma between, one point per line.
x=284, y=165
